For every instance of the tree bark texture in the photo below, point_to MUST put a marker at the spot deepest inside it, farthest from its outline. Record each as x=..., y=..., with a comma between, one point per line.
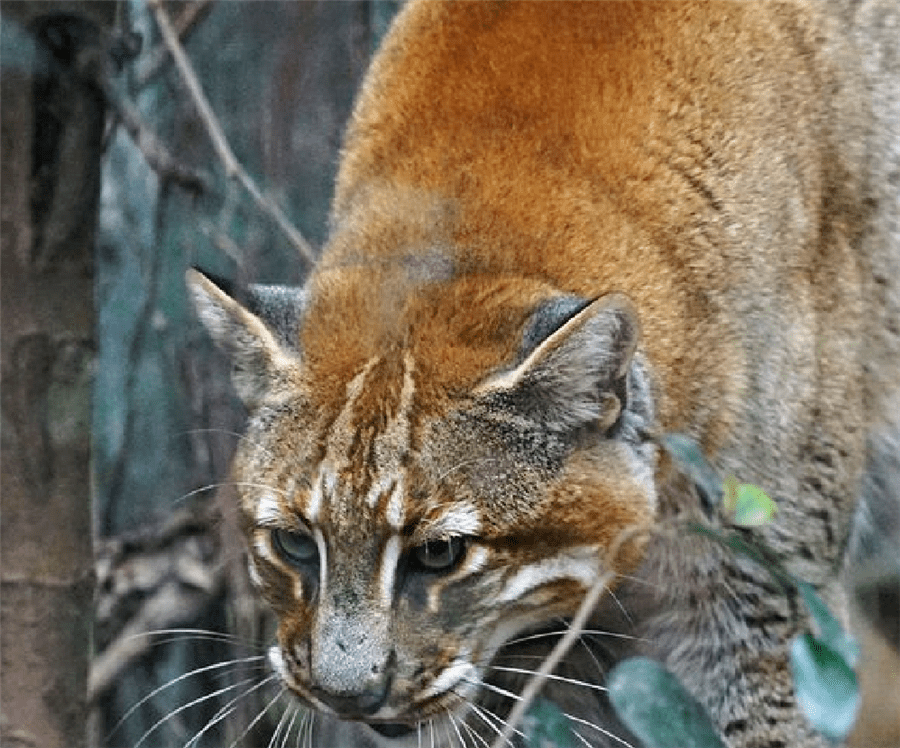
x=51, y=132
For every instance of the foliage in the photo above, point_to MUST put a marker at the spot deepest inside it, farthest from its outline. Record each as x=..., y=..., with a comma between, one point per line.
x=545, y=726
x=657, y=708
x=652, y=703
x=822, y=662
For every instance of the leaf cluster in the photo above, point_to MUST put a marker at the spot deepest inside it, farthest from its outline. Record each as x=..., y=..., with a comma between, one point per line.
x=651, y=701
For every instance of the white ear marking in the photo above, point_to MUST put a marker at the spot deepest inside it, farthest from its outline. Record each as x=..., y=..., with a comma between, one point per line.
x=562, y=382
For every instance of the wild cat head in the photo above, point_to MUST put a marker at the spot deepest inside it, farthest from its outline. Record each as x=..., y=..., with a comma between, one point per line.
x=428, y=473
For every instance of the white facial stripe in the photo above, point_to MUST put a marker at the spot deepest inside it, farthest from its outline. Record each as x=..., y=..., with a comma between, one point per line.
x=261, y=545
x=314, y=502
x=390, y=557
x=475, y=560
x=449, y=677
x=459, y=519
x=276, y=660
x=579, y=564
x=381, y=484
x=339, y=439
x=395, y=513
x=253, y=572
x=269, y=512
x=409, y=389
x=323, y=560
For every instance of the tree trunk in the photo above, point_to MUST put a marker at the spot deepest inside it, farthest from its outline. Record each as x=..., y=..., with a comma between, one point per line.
x=51, y=128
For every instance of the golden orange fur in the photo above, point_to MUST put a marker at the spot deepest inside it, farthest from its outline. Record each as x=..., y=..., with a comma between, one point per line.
x=559, y=230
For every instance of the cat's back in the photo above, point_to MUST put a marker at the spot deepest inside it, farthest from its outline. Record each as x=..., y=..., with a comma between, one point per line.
x=681, y=153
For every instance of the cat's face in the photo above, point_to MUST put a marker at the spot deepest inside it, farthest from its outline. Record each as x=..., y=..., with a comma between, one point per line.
x=403, y=536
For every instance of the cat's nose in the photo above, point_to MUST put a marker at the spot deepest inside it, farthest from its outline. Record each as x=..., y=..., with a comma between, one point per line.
x=361, y=702
x=351, y=658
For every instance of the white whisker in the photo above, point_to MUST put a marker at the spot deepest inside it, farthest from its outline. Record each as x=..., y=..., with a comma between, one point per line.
x=174, y=635
x=261, y=714
x=517, y=697
x=226, y=484
x=621, y=607
x=591, y=632
x=295, y=711
x=227, y=432
x=310, y=730
x=225, y=711
x=581, y=738
x=469, y=729
x=278, y=728
x=590, y=652
x=498, y=690
x=190, y=704
x=452, y=721
x=483, y=714
x=599, y=729
x=183, y=676
x=563, y=679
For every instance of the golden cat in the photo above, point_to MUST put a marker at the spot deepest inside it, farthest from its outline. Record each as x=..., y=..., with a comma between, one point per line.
x=560, y=230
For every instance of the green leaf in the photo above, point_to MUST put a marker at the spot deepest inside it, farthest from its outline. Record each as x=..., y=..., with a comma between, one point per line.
x=654, y=705
x=753, y=507
x=830, y=631
x=688, y=456
x=826, y=687
x=545, y=726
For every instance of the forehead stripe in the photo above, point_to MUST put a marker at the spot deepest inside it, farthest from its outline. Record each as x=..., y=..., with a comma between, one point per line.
x=390, y=557
x=394, y=512
x=314, y=503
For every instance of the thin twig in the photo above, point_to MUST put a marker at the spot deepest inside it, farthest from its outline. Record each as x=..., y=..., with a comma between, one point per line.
x=222, y=242
x=158, y=157
x=233, y=168
x=534, y=685
x=155, y=60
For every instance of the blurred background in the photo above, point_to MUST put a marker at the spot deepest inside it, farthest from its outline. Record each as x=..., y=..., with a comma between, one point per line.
x=98, y=122
x=118, y=416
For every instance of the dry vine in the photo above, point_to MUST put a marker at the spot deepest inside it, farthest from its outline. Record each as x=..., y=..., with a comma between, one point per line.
x=233, y=168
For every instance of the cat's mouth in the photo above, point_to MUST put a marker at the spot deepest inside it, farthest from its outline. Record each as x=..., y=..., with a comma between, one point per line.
x=392, y=729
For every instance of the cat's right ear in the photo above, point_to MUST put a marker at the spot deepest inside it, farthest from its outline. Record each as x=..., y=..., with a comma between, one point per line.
x=260, y=336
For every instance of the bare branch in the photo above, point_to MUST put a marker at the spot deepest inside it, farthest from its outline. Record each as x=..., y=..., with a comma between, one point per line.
x=159, y=56
x=175, y=569
x=222, y=242
x=233, y=168
x=155, y=152
x=172, y=605
x=534, y=685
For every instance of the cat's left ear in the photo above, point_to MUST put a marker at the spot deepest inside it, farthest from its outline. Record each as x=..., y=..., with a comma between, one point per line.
x=260, y=335
x=578, y=370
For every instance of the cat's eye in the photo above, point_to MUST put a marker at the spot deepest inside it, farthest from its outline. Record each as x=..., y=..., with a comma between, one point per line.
x=439, y=555
x=295, y=547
